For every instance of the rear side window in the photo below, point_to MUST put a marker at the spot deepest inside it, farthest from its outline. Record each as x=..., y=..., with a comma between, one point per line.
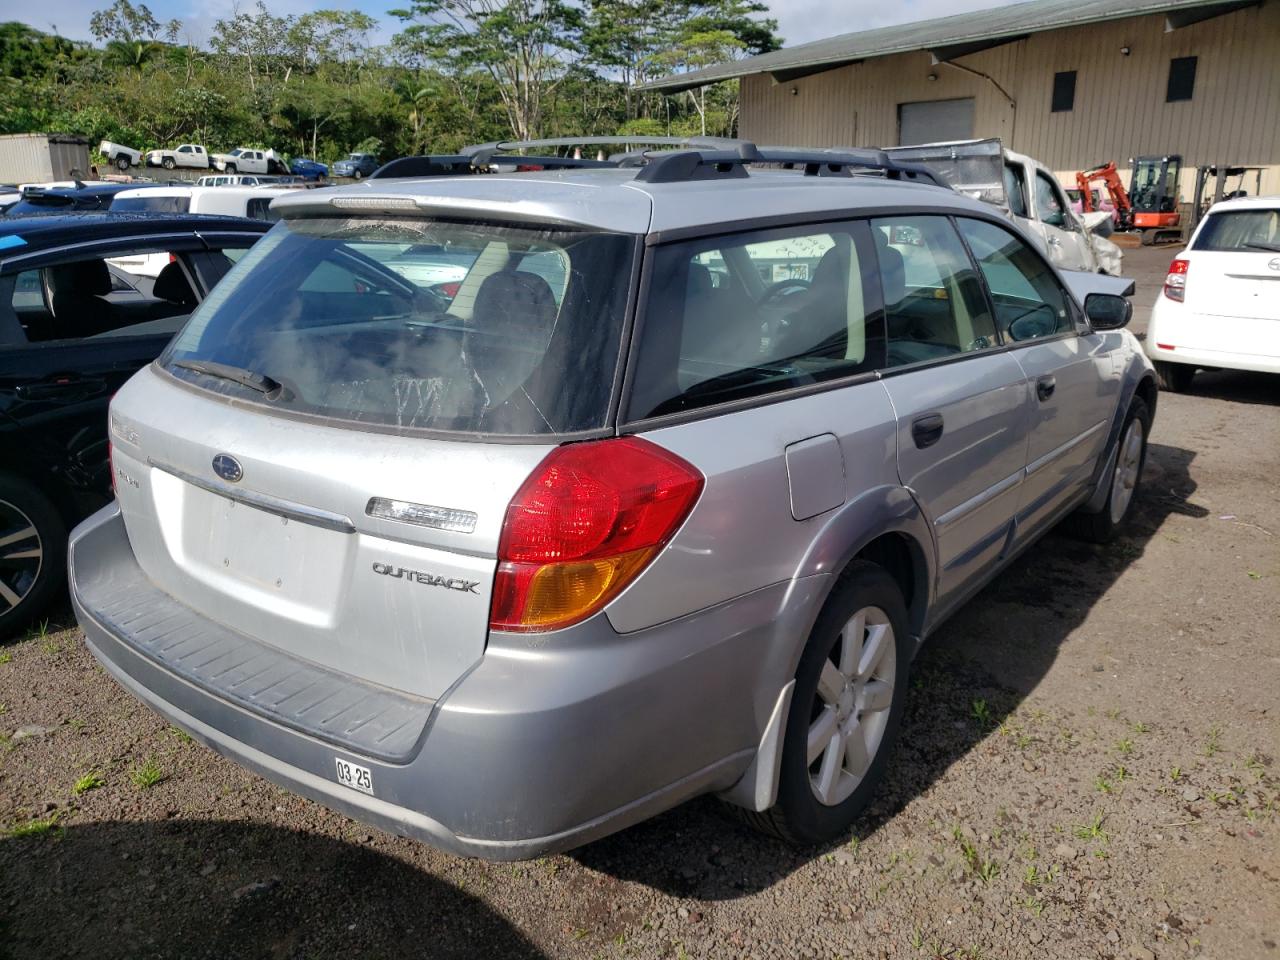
x=151, y=205
x=1256, y=230
x=730, y=318
x=1028, y=301
x=418, y=324
x=933, y=300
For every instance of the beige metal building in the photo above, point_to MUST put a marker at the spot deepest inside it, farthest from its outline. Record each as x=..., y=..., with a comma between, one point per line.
x=1072, y=83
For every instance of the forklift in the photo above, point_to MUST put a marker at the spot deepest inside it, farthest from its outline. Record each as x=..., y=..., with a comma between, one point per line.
x=1220, y=174
x=1149, y=207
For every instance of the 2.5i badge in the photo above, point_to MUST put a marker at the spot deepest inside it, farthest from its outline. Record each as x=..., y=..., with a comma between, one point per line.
x=354, y=776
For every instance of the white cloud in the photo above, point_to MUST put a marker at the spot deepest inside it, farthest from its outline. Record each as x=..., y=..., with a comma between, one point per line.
x=800, y=21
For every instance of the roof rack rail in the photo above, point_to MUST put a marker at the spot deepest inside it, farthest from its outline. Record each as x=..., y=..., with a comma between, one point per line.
x=432, y=165
x=482, y=153
x=677, y=166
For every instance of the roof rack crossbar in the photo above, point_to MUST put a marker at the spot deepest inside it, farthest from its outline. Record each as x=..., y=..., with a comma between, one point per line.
x=672, y=167
x=482, y=152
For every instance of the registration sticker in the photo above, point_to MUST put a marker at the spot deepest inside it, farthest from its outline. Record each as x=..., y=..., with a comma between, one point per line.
x=354, y=776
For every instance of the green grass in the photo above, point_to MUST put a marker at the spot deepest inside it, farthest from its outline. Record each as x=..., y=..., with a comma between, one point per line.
x=148, y=775
x=38, y=828
x=90, y=781
x=1093, y=829
x=1124, y=747
x=180, y=735
x=981, y=712
x=6, y=657
x=1212, y=743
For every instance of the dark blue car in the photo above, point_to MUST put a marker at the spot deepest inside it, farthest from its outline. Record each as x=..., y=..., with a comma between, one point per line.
x=358, y=165
x=84, y=198
x=308, y=169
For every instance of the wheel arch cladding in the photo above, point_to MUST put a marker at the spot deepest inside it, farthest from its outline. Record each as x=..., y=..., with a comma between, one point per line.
x=884, y=526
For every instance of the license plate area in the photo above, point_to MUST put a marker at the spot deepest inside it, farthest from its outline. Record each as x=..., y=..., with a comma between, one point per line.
x=354, y=776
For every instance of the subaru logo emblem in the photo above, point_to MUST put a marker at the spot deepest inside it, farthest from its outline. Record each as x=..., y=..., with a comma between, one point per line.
x=227, y=467
x=1274, y=263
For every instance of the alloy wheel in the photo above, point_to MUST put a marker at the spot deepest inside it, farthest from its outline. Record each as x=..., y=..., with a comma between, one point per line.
x=21, y=556
x=851, y=708
x=1128, y=467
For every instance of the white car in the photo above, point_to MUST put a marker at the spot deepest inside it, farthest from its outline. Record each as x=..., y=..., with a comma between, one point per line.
x=186, y=155
x=1030, y=195
x=247, y=160
x=120, y=156
x=1220, y=306
x=251, y=202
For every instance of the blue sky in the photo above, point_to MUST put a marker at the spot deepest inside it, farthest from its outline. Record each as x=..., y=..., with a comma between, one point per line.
x=798, y=20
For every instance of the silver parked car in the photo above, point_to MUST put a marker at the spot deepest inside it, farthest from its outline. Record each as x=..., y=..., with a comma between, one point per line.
x=659, y=499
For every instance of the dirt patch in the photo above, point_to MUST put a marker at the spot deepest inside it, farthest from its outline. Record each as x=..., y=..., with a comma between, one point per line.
x=1087, y=770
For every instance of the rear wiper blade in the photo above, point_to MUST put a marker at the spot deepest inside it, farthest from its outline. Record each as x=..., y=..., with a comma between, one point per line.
x=1269, y=247
x=225, y=371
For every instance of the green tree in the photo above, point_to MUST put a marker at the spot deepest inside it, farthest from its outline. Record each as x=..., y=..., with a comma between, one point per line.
x=523, y=45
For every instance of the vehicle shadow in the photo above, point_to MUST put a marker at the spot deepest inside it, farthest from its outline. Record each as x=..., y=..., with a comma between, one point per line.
x=189, y=889
x=1238, y=386
x=996, y=649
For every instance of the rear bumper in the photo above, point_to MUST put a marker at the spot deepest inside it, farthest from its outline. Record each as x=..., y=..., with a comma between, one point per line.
x=545, y=744
x=1221, y=359
x=1250, y=343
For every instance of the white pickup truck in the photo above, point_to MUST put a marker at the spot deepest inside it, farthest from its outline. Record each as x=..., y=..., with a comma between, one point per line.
x=120, y=156
x=1029, y=194
x=248, y=160
x=186, y=155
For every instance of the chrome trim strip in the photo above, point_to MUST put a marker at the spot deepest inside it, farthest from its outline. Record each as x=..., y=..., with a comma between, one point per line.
x=281, y=508
x=1054, y=454
x=973, y=503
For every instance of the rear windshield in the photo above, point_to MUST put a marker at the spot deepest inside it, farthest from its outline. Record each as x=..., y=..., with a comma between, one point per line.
x=151, y=205
x=1257, y=230
x=419, y=324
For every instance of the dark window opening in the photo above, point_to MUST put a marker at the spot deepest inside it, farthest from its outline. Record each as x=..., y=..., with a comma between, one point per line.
x=1182, y=79
x=1064, y=92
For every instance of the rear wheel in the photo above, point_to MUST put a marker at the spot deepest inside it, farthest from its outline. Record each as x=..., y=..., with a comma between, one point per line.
x=845, y=711
x=33, y=553
x=1175, y=377
x=1123, y=482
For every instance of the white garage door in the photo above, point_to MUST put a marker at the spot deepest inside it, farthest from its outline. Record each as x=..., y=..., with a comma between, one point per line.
x=935, y=121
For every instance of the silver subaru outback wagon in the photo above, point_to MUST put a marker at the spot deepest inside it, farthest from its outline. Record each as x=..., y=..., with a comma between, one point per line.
x=506, y=511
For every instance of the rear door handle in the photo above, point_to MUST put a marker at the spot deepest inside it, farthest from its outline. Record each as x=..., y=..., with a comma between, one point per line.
x=927, y=430
x=1045, y=387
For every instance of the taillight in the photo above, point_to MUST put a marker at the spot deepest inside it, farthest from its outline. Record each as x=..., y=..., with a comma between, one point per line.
x=449, y=289
x=1175, y=282
x=584, y=525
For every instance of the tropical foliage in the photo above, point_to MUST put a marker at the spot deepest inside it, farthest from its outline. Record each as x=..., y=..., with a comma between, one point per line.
x=317, y=84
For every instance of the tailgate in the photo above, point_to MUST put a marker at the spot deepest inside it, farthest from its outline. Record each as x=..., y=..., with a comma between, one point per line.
x=287, y=552
x=1234, y=284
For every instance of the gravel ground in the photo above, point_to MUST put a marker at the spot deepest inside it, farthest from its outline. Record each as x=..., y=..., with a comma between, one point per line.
x=1086, y=770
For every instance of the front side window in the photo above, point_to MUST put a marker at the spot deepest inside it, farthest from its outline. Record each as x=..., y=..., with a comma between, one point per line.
x=1028, y=301
x=1051, y=207
x=933, y=300
x=419, y=324
x=730, y=318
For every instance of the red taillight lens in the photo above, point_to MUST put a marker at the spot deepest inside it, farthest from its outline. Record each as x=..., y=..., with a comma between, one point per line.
x=583, y=526
x=1175, y=283
x=449, y=289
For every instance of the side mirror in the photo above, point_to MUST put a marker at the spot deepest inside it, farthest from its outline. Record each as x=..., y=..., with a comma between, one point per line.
x=1106, y=311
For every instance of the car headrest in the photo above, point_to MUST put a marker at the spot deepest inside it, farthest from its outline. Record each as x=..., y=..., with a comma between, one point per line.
x=515, y=303
x=893, y=271
x=699, y=282
x=172, y=285
x=87, y=278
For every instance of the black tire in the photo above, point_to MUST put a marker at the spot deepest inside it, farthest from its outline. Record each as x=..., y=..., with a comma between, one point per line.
x=168, y=163
x=229, y=168
x=359, y=174
x=799, y=816
x=1175, y=377
x=122, y=163
x=23, y=507
x=1102, y=527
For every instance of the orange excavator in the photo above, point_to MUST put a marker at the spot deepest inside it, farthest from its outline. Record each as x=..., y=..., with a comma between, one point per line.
x=1150, y=205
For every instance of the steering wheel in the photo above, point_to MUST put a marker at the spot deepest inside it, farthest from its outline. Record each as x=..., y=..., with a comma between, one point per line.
x=781, y=290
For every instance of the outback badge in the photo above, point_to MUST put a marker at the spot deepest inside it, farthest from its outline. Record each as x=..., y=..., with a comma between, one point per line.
x=427, y=579
x=228, y=468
